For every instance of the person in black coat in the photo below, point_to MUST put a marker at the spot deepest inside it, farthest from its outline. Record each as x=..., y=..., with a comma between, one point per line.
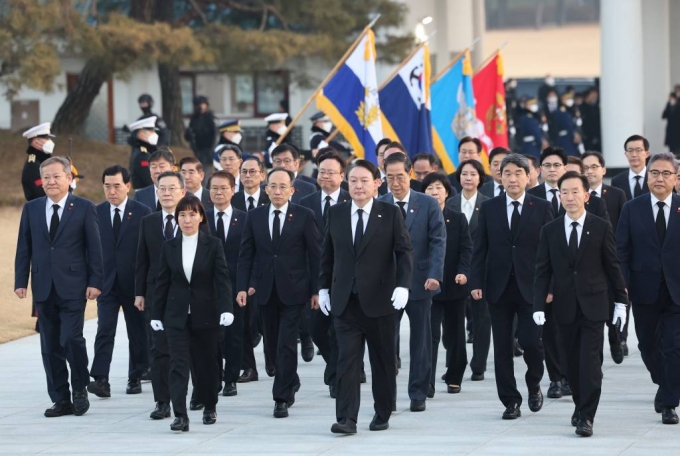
x=469, y=148
x=144, y=142
x=672, y=115
x=396, y=148
x=287, y=156
x=192, y=299
x=40, y=148
x=449, y=303
x=634, y=181
x=145, y=102
x=202, y=133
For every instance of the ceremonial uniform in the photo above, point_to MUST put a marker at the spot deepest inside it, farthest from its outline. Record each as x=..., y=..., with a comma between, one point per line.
x=226, y=126
x=529, y=134
x=140, y=176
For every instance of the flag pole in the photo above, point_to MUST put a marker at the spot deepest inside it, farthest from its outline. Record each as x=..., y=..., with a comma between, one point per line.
x=454, y=61
x=490, y=58
x=351, y=49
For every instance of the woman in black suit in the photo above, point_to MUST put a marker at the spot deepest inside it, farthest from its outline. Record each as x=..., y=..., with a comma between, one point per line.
x=193, y=298
x=450, y=302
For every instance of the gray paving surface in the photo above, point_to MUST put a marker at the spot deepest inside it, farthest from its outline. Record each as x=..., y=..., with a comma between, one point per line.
x=466, y=423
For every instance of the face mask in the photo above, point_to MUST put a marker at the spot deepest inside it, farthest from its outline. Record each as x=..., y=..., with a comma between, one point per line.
x=236, y=139
x=152, y=139
x=48, y=147
x=569, y=103
x=533, y=108
x=281, y=129
x=550, y=81
x=326, y=126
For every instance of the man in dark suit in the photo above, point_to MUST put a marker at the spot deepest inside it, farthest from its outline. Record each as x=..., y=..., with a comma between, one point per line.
x=577, y=261
x=503, y=261
x=119, y=222
x=494, y=187
x=283, y=239
x=230, y=156
x=648, y=244
x=160, y=162
x=634, y=181
x=251, y=194
x=331, y=174
x=59, y=247
x=192, y=171
x=227, y=223
x=287, y=156
x=367, y=262
x=427, y=230
x=395, y=148
x=469, y=148
x=154, y=230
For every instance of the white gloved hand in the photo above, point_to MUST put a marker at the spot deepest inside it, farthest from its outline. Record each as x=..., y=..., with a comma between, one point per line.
x=226, y=319
x=539, y=318
x=619, y=313
x=399, y=298
x=324, y=301
x=157, y=325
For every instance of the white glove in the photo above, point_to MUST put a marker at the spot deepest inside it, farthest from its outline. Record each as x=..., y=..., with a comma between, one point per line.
x=157, y=325
x=539, y=318
x=619, y=313
x=400, y=298
x=324, y=301
x=226, y=319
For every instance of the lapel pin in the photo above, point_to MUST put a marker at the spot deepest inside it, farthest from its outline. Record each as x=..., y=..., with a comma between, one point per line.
x=531, y=203
x=379, y=216
x=411, y=211
x=447, y=220
x=477, y=209
x=129, y=217
x=587, y=232
x=70, y=206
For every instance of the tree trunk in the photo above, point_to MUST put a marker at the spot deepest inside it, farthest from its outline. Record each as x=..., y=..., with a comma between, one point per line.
x=75, y=109
x=171, y=98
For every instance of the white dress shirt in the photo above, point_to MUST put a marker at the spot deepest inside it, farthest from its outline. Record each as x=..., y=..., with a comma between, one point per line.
x=633, y=182
x=579, y=228
x=355, y=216
x=666, y=208
x=189, y=245
x=467, y=206
x=510, y=207
x=334, y=198
x=237, y=183
x=226, y=218
x=199, y=194
x=282, y=218
x=121, y=208
x=155, y=196
x=597, y=190
x=549, y=195
x=256, y=196
x=49, y=210
x=405, y=200
x=174, y=222
x=496, y=188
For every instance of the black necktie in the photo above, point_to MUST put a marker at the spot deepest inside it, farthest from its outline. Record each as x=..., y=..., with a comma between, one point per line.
x=158, y=206
x=359, y=231
x=514, y=219
x=116, y=224
x=251, y=203
x=501, y=190
x=276, y=229
x=555, y=206
x=54, y=221
x=593, y=194
x=401, y=205
x=169, y=231
x=220, y=227
x=661, y=222
x=573, y=240
x=326, y=207
x=637, y=190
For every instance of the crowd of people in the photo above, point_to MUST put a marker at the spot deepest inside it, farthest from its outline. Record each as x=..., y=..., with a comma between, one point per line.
x=207, y=265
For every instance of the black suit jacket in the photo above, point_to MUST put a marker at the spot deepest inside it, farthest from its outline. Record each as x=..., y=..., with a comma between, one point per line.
x=149, y=253
x=455, y=204
x=614, y=198
x=207, y=295
x=314, y=202
x=487, y=189
x=120, y=255
x=233, y=242
x=302, y=189
x=458, y=256
x=239, y=200
x=309, y=180
x=594, y=205
x=384, y=260
x=205, y=199
x=621, y=181
x=415, y=185
x=581, y=282
x=496, y=253
x=293, y=263
x=147, y=196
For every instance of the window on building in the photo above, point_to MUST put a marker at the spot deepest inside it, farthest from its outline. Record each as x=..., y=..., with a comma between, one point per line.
x=504, y=14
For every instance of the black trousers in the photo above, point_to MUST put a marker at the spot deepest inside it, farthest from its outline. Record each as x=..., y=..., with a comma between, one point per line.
x=482, y=335
x=249, y=325
x=553, y=357
x=420, y=346
x=324, y=338
x=657, y=327
x=453, y=315
x=159, y=361
x=61, y=339
x=281, y=323
x=503, y=313
x=233, y=346
x=306, y=326
x=197, y=346
x=351, y=329
x=108, y=308
x=581, y=343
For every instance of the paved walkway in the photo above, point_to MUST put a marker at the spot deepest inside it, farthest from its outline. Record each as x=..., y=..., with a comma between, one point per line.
x=467, y=423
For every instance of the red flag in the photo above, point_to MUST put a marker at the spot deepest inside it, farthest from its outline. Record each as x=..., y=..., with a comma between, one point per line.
x=492, y=123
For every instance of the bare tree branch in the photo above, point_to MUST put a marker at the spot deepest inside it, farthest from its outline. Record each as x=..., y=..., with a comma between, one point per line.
x=199, y=11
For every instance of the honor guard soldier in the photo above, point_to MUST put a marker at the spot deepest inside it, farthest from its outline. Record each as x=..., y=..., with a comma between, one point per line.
x=145, y=102
x=40, y=148
x=144, y=140
x=321, y=130
x=529, y=133
x=230, y=134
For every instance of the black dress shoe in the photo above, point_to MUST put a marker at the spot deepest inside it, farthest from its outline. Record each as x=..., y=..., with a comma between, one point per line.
x=161, y=411
x=249, y=375
x=146, y=375
x=271, y=371
x=417, y=406
x=536, y=400
x=80, y=403
x=377, y=424
x=398, y=363
x=209, y=417
x=574, y=418
x=134, y=386
x=332, y=390
x=100, y=387
x=617, y=352
x=430, y=391
x=516, y=349
x=347, y=427
x=291, y=401
x=444, y=377
x=477, y=376
x=470, y=338
x=195, y=405
x=362, y=377
x=180, y=424
x=624, y=347
x=566, y=388
x=229, y=389
x=307, y=351
x=59, y=409
x=453, y=389
x=657, y=401
x=584, y=428
x=512, y=412
x=668, y=415
x=555, y=390
x=281, y=410
x=394, y=406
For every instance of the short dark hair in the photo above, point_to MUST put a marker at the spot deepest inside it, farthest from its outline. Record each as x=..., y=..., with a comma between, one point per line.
x=518, y=160
x=117, y=169
x=477, y=166
x=664, y=156
x=437, y=177
x=193, y=204
x=254, y=158
x=283, y=148
x=232, y=147
x=328, y=153
x=172, y=174
x=548, y=151
x=397, y=145
x=432, y=160
x=222, y=175
x=398, y=158
x=645, y=143
x=191, y=161
x=574, y=175
x=467, y=139
x=163, y=154
x=382, y=142
x=533, y=159
x=367, y=165
x=571, y=160
x=282, y=170
x=598, y=155
x=497, y=151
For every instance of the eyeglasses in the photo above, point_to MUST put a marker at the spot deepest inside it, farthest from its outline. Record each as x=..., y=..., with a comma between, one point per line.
x=323, y=172
x=637, y=151
x=656, y=173
x=282, y=188
x=251, y=172
x=591, y=168
x=401, y=178
x=279, y=162
x=552, y=165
